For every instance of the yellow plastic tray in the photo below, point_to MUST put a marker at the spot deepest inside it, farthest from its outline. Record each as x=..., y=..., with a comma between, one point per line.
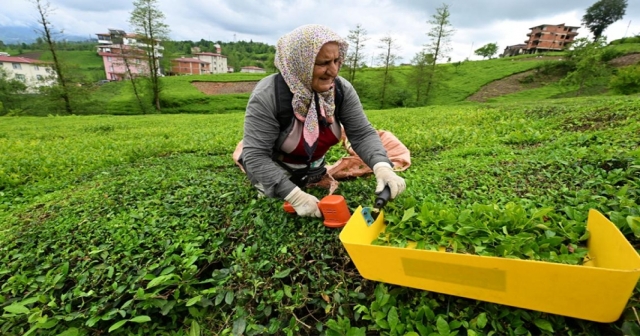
x=596, y=291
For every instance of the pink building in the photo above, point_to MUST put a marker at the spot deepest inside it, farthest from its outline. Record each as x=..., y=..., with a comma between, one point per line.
x=123, y=54
x=116, y=60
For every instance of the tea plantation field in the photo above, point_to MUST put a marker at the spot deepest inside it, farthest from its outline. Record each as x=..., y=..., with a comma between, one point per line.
x=144, y=225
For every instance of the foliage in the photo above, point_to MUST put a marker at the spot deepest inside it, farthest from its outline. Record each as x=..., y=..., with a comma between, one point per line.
x=439, y=45
x=602, y=14
x=488, y=50
x=387, y=59
x=354, y=60
x=148, y=24
x=144, y=225
x=10, y=92
x=626, y=81
x=419, y=74
x=586, y=58
x=239, y=54
x=48, y=34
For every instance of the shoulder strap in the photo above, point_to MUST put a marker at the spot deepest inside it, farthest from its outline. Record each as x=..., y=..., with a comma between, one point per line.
x=283, y=102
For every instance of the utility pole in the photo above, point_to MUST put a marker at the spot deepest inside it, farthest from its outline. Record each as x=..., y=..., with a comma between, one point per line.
x=470, y=51
x=625, y=32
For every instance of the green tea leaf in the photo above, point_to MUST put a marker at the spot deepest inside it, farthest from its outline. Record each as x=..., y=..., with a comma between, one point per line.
x=392, y=318
x=443, y=326
x=194, y=300
x=140, y=319
x=195, y=329
x=228, y=298
x=634, y=224
x=70, y=332
x=16, y=309
x=482, y=320
x=117, y=325
x=544, y=325
x=282, y=274
x=238, y=326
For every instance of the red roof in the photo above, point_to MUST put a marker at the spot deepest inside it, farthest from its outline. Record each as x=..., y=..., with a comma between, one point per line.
x=16, y=59
x=190, y=60
x=252, y=67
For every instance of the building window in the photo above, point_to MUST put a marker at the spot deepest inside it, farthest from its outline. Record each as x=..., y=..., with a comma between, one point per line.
x=39, y=77
x=109, y=58
x=0, y=64
x=17, y=66
x=20, y=77
x=35, y=67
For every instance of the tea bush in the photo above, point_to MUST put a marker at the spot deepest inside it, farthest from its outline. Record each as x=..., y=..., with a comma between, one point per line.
x=144, y=225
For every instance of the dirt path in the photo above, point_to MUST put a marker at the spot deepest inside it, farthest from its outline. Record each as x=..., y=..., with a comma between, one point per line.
x=513, y=83
x=216, y=88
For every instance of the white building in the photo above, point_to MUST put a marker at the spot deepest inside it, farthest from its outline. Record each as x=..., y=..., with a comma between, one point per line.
x=217, y=61
x=34, y=73
x=252, y=69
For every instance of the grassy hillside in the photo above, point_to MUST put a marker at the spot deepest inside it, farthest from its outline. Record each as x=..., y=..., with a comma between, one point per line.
x=81, y=63
x=144, y=225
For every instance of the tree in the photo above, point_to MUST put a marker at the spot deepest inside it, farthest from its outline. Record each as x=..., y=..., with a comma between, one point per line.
x=420, y=73
x=128, y=55
x=10, y=91
x=387, y=58
x=47, y=33
x=586, y=59
x=602, y=14
x=356, y=39
x=147, y=22
x=488, y=50
x=440, y=35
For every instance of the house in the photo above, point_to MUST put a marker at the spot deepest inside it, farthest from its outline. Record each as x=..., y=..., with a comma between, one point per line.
x=34, y=73
x=125, y=54
x=514, y=50
x=121, y=61
x=217, y=61
x=548, y=37
x=189, y=66
x=252, y=69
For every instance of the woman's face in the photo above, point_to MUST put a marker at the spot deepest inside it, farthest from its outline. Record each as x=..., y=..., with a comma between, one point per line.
x=326, y=67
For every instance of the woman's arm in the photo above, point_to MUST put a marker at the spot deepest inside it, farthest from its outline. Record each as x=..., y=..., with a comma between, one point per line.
x=261, y=130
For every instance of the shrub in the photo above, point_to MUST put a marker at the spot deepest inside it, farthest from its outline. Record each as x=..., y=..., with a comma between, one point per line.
x=627, y=81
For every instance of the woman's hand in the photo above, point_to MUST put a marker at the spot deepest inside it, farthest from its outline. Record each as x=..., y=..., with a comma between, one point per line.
x=386, y=176
x=304, y=204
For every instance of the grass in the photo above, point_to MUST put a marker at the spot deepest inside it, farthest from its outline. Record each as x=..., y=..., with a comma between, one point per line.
x=144, y=225
x=87, y=64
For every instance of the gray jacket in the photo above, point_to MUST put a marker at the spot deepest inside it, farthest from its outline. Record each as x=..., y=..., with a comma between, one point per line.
x=261, y=130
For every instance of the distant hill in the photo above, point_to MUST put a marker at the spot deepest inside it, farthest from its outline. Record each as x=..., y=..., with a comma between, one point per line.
x=21, y=34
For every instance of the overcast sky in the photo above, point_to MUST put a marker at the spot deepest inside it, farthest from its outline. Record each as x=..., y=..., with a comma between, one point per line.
x=476, y=22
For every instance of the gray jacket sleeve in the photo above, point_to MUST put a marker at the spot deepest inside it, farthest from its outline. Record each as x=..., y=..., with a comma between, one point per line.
x=363, y=137
x=261, y=130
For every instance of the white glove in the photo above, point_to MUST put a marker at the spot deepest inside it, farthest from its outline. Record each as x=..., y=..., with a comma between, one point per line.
x=386, y=176
x=304, y=204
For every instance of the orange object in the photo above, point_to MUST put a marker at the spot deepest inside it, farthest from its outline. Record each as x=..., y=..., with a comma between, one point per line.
x=288, y=208
x=334, y=210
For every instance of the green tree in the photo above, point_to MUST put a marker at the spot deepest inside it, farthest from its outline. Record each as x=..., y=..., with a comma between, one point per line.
x=356, y=39
x=147, y=22
x=488, y=50
x=387, y=59
x=585, y=58
x=419, y=73
x=602, y=14
x=10, y=91
x=440, y=34
x=47, y=33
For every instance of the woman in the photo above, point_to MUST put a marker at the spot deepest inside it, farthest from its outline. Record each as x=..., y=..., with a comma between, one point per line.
x=282, y=153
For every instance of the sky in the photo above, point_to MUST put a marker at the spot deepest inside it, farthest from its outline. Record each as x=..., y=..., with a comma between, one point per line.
x=475, y=22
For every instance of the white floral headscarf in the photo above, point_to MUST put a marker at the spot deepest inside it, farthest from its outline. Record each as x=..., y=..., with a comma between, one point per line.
x=295, y=58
